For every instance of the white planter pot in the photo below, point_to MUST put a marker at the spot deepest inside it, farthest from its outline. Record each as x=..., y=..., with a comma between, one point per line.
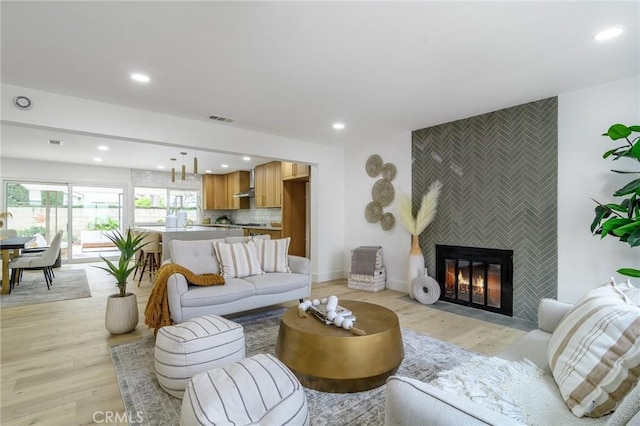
x=122, y=313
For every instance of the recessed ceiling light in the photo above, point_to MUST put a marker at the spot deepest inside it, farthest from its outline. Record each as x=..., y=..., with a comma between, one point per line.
x=224, y=166
x=207, y=171
x=97, y=160
x=103, y=148
x=141, y=78
x=608, y=34
x=338, y=126
x=246, y=158
x=160, y=166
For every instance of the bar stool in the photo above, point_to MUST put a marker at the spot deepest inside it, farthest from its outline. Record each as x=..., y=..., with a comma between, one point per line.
x=151, y=254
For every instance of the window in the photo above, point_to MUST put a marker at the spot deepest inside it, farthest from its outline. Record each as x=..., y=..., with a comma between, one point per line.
x=151, y=206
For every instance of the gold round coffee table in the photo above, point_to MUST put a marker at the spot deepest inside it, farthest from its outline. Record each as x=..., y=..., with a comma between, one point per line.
x=331, y=359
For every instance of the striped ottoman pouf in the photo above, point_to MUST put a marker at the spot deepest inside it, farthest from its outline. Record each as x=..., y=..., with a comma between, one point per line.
x=191, y=347
x=257, y=390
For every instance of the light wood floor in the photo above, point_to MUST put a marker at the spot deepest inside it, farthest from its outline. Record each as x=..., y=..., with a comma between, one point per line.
x=56, y=369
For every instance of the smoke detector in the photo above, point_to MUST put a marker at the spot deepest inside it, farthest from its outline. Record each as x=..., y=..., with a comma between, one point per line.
x=22, y=102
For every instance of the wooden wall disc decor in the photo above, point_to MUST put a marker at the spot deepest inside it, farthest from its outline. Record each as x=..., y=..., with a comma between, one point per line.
x=387, y=221
x=389, y=171
x=383, y=192
x=374, y=165
x=373, y=212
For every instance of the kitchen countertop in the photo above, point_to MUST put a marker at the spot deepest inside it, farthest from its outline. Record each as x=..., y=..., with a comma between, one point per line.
x=194, y=228
x=225, y=225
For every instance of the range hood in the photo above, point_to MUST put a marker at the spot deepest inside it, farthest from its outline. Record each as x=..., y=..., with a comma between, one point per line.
x=249, y=193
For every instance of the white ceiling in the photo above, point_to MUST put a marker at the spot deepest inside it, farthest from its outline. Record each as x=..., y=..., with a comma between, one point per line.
x=294, y=68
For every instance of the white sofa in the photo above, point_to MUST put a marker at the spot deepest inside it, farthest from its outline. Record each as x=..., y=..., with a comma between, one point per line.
x=412, y=402
x=188, y=301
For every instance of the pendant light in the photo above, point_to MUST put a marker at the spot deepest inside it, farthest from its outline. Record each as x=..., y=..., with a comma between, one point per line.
x=173, y=169
x=184, y=168
x=195, y=163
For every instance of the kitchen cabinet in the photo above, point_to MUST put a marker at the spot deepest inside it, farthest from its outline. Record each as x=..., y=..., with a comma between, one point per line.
x=237, y=182
x=295, y=171
x=214, y=192
x=268, y=185
x=295, y=219
x=218, y=190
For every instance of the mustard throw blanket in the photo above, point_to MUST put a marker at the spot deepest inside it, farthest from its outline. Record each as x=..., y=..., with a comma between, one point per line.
x=156, y=314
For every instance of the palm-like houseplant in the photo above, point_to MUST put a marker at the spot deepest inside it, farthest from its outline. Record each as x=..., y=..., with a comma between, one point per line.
x=128, y=245
x=622, y=219
x=122, y=308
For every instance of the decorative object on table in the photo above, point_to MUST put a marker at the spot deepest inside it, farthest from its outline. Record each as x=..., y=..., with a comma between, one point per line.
x=122, y=308
x=426, y=290
x=367, y=270
x=328, y=311
x=416, y=225
x=622, y=220
x=182, y=219
x=172, y=221
x=4, y=216
x=382, y=192
x=223, y=220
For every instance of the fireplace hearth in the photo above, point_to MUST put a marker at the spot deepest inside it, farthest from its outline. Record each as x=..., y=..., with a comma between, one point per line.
x=478, y=277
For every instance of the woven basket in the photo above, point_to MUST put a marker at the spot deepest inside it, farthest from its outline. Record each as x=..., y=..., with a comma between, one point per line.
x=372, y=283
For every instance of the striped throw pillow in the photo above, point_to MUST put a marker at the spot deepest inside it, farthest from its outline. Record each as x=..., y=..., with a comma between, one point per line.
x=273, y=254
x=594, y=353
x=237, y=260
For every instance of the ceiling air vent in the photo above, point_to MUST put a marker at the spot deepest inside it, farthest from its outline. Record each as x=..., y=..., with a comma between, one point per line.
x=222, y=119
x=54, y=142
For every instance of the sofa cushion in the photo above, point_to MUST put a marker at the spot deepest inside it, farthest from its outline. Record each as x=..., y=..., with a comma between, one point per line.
x=198, y=256
x=277, y=282
x=237, y=260
x=273, y=254
x=594, y=353
x=233, y=289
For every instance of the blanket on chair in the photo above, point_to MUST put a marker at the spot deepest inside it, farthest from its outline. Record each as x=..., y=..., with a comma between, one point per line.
x=157, y=314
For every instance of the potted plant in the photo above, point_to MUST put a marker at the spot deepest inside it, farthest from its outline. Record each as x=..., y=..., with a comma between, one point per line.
x=122, y=308
x=622, y=219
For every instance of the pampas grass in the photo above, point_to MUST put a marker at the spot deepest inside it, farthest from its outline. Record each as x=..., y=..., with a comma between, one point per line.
x=426, y=214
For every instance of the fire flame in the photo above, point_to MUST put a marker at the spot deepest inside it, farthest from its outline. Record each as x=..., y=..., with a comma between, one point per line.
x=478, y=285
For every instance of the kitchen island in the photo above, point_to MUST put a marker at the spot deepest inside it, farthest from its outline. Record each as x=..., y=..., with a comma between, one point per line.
x=190, y=233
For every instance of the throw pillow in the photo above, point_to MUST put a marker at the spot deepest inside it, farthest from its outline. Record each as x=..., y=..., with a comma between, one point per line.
x=630, y=291
x=594, y=353
x=237, y=260
x=273, y=254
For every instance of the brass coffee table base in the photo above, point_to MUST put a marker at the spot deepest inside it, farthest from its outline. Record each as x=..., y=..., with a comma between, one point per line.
x=343, y=385
x=330, y=359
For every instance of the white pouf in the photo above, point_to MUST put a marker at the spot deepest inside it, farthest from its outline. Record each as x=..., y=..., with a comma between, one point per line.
x=257, y=390
x=191, y=347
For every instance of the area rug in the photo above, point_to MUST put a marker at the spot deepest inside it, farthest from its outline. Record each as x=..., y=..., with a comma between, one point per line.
x=67, y=284
x=147, y=404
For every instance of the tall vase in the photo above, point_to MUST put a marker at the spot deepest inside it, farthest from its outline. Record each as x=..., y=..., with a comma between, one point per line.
x=416, y=263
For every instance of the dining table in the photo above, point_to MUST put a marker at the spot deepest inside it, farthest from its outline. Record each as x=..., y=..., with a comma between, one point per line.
x=11, y=247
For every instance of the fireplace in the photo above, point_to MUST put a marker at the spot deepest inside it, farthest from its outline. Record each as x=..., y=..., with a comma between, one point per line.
x=478, y=277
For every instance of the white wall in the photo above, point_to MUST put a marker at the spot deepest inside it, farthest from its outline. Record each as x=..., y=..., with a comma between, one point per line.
x=67, y=113
x=586, y=261
x=396, y=242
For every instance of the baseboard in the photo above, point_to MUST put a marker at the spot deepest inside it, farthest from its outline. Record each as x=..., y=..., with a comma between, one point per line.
x=327, y=276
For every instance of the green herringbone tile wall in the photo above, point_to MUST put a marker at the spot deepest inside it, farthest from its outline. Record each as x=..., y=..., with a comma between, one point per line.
x=499, y=173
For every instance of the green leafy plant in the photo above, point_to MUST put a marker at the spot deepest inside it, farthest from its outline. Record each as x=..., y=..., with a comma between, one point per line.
x=104, y=224
x=128, y=245
x=622, y=219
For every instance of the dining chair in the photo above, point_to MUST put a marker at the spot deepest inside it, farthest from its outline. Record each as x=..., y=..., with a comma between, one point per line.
x=44, y=262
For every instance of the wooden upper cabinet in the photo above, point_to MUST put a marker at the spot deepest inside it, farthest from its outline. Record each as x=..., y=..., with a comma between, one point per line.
x=237, y=182
x=268, y=185
x=294, y=170
x=214, y=192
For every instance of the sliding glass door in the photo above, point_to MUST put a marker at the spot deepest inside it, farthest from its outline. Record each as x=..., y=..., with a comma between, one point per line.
x=84, y=213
